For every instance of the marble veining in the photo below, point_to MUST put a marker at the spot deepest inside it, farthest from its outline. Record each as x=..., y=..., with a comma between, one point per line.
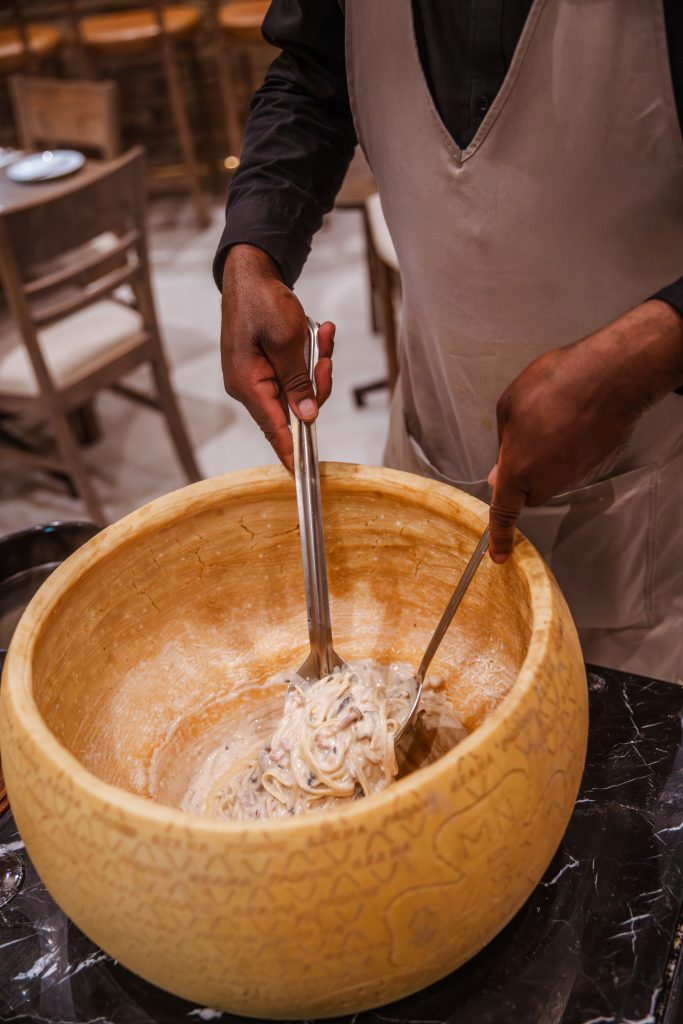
x=598, y=942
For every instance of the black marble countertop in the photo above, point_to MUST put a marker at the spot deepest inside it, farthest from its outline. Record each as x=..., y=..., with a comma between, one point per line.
x=598, y=942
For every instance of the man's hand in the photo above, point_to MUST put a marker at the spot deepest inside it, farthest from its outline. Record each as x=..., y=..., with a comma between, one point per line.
x=573, y=407
x=263, y=333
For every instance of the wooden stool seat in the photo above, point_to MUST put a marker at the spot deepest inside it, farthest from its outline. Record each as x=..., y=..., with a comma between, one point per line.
x=43, y=41
x=74, y=347
x=135, y=31
x=382, y=240
x=242, y=20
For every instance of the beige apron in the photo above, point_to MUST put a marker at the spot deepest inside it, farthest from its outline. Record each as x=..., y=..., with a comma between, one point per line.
x=564, y=211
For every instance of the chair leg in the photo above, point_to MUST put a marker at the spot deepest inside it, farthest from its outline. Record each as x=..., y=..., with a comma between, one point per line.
x=85, y=424
x=359, y=394
x=245, y=78
x=183, y=129
x=384, y=282
x=78, y=51
x=371, y=262
x=195, y=65
x=174, y=420
x=69, y=450
x=10, y=444
x=229, y=96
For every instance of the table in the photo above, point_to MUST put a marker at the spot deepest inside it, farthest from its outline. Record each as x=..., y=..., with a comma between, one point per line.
x=15, y=196
x=598, y=942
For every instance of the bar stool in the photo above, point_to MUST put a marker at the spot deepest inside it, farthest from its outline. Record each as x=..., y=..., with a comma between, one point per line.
x=237, y=31
x=25, y=46
x=359, y=192
x=388, y=283
x=121, y=35
x=358, y=185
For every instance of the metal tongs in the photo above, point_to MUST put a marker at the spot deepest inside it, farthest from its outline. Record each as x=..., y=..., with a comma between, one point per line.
x=323, y=658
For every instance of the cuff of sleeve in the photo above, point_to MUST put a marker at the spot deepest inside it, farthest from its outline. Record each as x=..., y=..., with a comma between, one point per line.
x=673, y=294
x=258, y=222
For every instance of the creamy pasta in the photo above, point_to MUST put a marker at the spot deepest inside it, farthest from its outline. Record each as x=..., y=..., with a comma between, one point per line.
x=333, y=743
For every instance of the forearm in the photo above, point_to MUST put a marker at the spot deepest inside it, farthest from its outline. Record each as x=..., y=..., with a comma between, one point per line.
x=643, y=353
x=298, y=142
x=573, y=407
x=244, y=264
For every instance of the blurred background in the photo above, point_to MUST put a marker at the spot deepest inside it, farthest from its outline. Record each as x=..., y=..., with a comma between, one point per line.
x=110, y=382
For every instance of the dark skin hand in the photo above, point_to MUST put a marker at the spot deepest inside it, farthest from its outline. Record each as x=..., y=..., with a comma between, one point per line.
x=263, y=332
x=571, y=408
x=558, y=421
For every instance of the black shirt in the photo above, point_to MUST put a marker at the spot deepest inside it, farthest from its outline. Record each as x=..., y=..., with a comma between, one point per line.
x=300, y=136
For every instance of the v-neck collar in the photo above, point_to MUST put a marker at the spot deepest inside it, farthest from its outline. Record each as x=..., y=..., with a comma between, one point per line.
x=460, y=155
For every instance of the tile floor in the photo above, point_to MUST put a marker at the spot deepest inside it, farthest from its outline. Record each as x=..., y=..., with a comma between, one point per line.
x=134, y=461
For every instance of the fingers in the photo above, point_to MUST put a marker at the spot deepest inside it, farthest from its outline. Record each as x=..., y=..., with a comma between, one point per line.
x=502, y=413
x=290, y=370
x=509, y=498
x=264, y=365
x=323, y=369
x=259, y=392
x=265, y=406
x=284, y=387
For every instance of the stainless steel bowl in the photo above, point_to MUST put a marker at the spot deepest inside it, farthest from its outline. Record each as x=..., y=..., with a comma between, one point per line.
x=26, y=560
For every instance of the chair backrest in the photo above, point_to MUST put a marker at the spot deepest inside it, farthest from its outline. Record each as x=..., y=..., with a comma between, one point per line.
x=109, y=198
x=51, y=112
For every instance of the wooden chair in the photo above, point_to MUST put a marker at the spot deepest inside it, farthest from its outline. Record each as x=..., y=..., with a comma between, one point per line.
x=69, y=340
x=236, y=28
x=157, y=28
x=52, y=112
x=56, y=112
x=25, y=46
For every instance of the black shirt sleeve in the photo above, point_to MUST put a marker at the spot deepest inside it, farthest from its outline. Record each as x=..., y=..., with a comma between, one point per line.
x=299, y=138
x=673, y=12
x=673, y=294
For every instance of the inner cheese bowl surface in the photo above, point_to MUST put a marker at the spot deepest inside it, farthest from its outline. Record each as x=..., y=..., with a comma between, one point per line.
x=169, y=624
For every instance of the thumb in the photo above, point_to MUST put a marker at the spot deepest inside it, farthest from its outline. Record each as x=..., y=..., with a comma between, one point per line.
x=291, y=371
x=323, y=369
x=508, y=501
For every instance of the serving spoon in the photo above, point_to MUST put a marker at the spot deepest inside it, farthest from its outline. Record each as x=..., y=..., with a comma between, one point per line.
x=323, y=659
x=440, y=631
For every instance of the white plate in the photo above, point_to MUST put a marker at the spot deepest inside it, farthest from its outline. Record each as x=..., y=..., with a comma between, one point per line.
x=10, y=156
x=53, y=163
